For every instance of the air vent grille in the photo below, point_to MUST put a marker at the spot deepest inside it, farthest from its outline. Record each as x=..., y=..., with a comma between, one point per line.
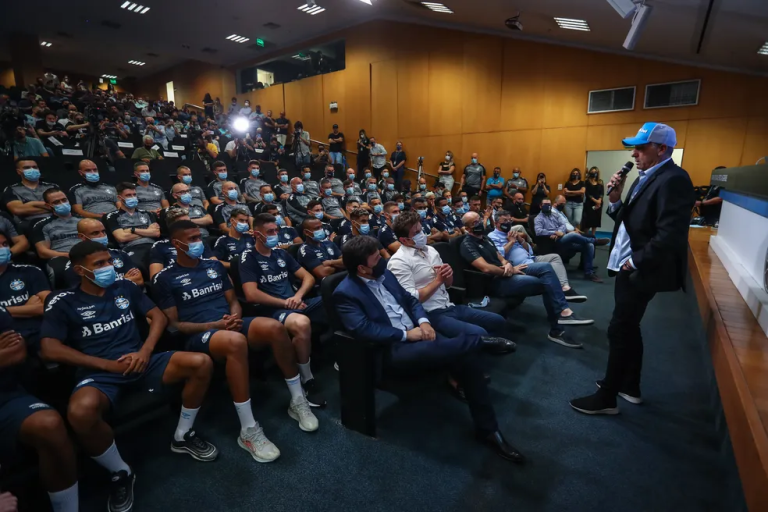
x=672, y=94
x=612, y=100
x=271, y=25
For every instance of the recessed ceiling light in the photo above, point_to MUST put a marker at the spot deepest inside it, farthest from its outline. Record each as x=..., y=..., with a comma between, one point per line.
x=134, y=7
x=366, y=2
x=237, y=39
x=436, y=7
x=311, y=9
x=572, y=24
x=108, y=76
x=764, y=49
x=45, y=43
x=136, y=62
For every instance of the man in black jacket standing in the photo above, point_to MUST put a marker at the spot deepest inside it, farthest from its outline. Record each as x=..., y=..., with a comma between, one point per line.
x=648, y=255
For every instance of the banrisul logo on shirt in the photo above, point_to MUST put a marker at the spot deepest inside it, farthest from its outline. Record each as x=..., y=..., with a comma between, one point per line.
x=17, y=284
x=200, y=292
x=212, y=273
x=100, y=327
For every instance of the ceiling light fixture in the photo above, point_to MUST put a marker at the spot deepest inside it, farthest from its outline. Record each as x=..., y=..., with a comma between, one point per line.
x=237, y=39
x=134, y=7
x=366, y=2
x=311, y=8
x=301, y=56
x=572, y=24
x=108, y=76
x=436, y=7
x=136, y=62
x=46, y=44
x=764, y=49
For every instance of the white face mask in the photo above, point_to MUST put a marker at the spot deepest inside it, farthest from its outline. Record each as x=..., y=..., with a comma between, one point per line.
x=420, y=240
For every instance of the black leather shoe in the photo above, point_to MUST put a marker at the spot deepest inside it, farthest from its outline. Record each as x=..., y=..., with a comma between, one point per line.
x=496, y=345
x=503, y=449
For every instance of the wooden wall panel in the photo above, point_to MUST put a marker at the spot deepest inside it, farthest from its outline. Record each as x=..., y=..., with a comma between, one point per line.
x=433, y=150
x=520, y=148
x=562, y=149
x=384, y=103
x=523, y=84
x=446, y=93
x=713, y=142
x=756, y=141
x=358, y=98
x=304, y=102
x=335, y=89
x=412, y=95
x=608, y=138
x=483, y=62
x=565, y=88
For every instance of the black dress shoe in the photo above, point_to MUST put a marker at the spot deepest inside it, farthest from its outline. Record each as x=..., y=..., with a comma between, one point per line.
x=496, y=345
x=633, y=397
x=599, y=403
x=503, y=449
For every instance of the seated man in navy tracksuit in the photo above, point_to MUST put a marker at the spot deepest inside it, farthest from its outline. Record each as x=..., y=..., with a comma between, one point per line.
x=374, y=307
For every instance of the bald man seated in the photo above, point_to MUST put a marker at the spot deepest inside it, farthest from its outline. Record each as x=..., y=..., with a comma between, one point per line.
x=92, y=198
x=230, y=199
x=125, y=268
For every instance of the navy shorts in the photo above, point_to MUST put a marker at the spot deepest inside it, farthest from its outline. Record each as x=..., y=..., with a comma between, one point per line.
x=15, y=407
x=314, y=311
x=112, y=384
x=199, y=342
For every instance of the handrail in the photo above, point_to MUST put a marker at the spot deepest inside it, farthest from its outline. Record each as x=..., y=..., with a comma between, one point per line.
x=198, y=107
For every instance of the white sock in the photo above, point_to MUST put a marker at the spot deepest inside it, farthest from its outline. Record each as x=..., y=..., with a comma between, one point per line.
x=64, y=501
x=186, y=420
x=111, y=460
x=305, y=371
x=294, y=386
x=245, y=413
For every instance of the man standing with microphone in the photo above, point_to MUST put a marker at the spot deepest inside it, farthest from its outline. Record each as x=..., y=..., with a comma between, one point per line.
x=648, y=255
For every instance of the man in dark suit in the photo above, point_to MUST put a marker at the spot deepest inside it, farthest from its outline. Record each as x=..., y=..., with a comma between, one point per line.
x=648, y=255
x=374, y=307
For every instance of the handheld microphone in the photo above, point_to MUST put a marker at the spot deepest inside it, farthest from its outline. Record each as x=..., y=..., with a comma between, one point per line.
x=623, y=173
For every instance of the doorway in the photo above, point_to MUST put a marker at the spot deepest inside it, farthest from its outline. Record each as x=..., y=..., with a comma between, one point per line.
x=169, y=92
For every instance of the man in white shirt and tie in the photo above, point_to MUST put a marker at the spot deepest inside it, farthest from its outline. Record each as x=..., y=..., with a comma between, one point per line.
x=421, y=272
x=648, y=256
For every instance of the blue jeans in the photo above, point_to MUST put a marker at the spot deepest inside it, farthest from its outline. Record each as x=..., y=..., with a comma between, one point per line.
x=573, y=211
x=336, y=158
x=302, y=160
x=539, y=278
x=573, y=243
x=456, y=320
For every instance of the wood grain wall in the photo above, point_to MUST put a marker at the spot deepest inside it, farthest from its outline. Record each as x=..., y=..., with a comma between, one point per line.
x=516, y=103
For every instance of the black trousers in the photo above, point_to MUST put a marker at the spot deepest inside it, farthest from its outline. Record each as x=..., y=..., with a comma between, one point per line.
x=625, y=358
x=460, y=356
x=140, y=256
x=471, y=191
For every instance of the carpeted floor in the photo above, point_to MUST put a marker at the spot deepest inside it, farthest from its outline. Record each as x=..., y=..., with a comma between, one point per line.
x=661, y=456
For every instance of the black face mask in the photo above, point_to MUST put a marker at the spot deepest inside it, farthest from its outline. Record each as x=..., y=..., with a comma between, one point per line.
x=546, y=209
x=560, y=207
x=478, y=228
x=506, y=227
x=519, y=203
x=378, y=270
x=574, y=177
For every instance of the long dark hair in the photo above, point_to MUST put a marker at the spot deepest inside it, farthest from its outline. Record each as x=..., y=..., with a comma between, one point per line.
x=577, y=171
x=207, y=98
x=597, y=170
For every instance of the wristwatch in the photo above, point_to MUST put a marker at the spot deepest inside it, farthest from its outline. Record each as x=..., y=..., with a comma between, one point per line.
x=133, y=230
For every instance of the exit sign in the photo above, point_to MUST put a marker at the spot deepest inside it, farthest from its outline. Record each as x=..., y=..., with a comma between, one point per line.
x=259, y=42
x=113, y=81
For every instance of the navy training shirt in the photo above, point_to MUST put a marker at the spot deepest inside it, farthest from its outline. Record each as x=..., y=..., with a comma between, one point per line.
x=103, y=327
x=8, y=373
x=312, y=256
x=17, y=284
x=196, y=292
x=272, y=274
x=227, y=248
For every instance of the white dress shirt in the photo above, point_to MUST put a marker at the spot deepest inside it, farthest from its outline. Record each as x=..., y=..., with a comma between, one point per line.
x=622, y=249
x=397, y=315
x=415, y=269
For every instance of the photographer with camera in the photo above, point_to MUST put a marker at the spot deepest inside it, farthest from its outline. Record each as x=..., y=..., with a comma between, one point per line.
x=302, y=146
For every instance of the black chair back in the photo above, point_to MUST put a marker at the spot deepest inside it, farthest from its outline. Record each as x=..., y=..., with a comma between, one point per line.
x=327, y=287
x=293, y=250
x=545, y=245
x=234, y=273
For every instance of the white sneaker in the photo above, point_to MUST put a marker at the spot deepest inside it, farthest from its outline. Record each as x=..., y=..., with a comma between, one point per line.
x=256, y=443
x=300, y=411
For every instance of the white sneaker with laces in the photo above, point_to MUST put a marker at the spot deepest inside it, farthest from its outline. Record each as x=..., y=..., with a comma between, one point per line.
x=256, y=443
x=300, y=411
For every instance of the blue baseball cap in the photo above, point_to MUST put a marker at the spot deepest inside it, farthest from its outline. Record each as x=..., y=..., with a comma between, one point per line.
x=652, y=132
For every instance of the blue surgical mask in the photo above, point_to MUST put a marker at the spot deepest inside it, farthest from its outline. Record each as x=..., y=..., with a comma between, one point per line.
x=255, y=173
x=103, y=240
x=446, y=210
x=144, y=176
x=195, y=250
x=319, y=235
x=378, y=208
x=423, y=214
x=103, y=277
x=269, y=197
x=92, y=177
x=422, y=186
x=515, y=175
x=131, y=202
x=279, y=220
x=329, y=191
x=271, y=241
x=385, y=175
x=367, y=175
x=5, y=255
x=232, y=194
x=185, y=198
x=401, y=206
x=350, y=191
x=371, y=187
x=31, y=174
x=284, y=178
x=307, y=176
x=394, y=217
x=350, y=176
x=242, y=227
x=365, y=229
x=474, y=160
x=420, y=240
x=62, y=209
x=222, y=175
x=186, y=180
x=300, y=188
x=319, y=215
x=390, y=186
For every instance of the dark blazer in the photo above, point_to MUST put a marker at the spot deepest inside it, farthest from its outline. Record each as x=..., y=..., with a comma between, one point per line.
x=657, y=221
x=363, y=315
